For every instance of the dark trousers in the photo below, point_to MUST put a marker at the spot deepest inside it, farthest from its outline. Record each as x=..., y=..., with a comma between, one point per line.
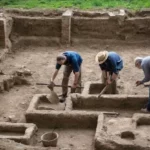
x=148, y=104
x=66, y=75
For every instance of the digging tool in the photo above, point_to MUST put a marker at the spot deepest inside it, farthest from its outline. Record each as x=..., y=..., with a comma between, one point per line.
x=103, y=91
x=69, y=86
x=147, y=84
x=111, y=113
x=53, y=97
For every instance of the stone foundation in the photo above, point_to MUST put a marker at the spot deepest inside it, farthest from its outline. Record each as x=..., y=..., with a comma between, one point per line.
x=19, y=132
x=122, y=133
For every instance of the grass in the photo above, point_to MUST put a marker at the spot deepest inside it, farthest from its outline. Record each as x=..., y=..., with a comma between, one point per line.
x=82, y=4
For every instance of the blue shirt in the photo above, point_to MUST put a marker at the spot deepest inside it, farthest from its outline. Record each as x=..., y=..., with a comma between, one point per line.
x=73, y=59
x=113, y=64
x=146, y=68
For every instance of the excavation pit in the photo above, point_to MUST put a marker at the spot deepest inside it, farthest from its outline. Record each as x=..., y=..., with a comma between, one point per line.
x=19, y=132
x=118, y=103
x=121, y=133
x=45, y=104
x=128, y=135
x=93, y=88
x=88, y=33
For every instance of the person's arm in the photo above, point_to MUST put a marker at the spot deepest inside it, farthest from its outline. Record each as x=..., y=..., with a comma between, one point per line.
x=114, y=76
x=58, y=66
x=76, y=69
x=76, y=77
x=54, y=75
x=146, y=74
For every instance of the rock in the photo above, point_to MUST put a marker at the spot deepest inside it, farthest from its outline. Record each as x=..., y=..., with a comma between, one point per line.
x=12, y=118
x=8, y=82
x=11, y=82
x=111, y=121
x=1, y=86
x=6, y=119
x=6, y=86
x=23, y=71
x=20, y=81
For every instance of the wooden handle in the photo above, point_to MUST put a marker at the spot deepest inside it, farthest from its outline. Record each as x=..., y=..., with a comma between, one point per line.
x=103, y=91
x=69, y=86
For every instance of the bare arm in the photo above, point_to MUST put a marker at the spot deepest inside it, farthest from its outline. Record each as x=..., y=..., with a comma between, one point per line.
x=54, y=75
x=114, y=76
x=108, y=75
x=76, y=77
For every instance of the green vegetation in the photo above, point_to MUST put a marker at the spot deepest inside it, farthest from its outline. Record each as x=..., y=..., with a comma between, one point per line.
x=82, y=4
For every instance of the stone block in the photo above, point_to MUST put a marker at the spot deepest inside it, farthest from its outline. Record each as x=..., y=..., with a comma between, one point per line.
x=66, y=27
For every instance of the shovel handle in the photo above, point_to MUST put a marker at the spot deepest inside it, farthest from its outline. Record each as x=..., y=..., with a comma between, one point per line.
x=69, y=86
x=103, y=91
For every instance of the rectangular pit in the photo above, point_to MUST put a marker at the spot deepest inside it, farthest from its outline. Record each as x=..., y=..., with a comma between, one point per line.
x=122, y=133
x=76, y=130
x=93, y=88
x=44, y=104
x=44, y=117
x=111, y=103
x=19, y=132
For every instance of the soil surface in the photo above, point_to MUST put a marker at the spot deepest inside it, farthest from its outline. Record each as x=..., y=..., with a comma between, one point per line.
x=41, y=62
x=72, y=138
x=11, y=145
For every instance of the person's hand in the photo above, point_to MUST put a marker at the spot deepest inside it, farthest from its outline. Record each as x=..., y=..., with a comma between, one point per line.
x=51, y=85
x=138, y=83
x=74, y=86
x=109, y=81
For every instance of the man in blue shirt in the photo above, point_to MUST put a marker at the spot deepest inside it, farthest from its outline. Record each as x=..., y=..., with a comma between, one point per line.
x=110, y=63
x=144, y=64
x=72, y=61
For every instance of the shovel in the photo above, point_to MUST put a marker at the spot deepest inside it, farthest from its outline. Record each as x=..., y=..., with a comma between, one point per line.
x=53, y=97
x=103, y=91
x=69, y=86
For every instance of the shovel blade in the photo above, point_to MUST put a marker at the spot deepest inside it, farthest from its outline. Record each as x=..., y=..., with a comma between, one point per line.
x=53, y=98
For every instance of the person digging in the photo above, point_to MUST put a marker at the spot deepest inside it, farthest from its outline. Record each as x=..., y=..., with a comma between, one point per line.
x=72, y=62
x=144, y=64
x=110, y=63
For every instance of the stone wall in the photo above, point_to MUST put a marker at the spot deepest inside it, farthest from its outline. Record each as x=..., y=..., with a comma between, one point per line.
x=67, y=26
x=111, y=28
x=28, y=26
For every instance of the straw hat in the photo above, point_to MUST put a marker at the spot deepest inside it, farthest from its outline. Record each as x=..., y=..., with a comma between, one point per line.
x=101, y=57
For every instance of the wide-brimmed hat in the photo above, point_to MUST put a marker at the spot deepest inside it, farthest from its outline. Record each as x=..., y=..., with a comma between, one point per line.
x=101, y=57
